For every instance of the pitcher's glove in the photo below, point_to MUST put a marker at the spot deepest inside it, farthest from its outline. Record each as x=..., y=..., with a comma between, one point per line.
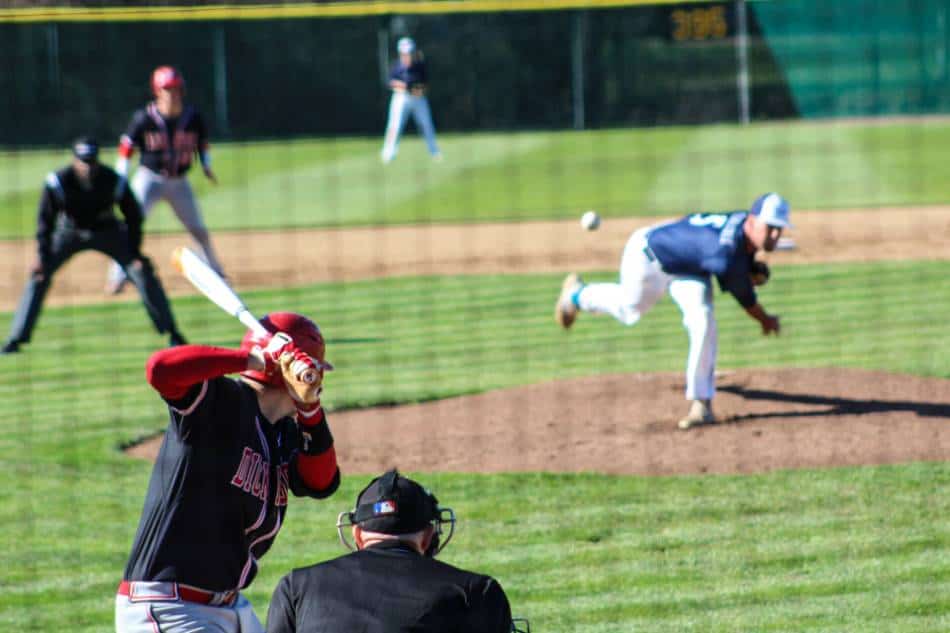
x=760, y=273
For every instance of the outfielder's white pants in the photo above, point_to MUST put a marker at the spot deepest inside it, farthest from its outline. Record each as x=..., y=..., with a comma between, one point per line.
x=642, y=284
x=177, y=616
x=401, y=104
x=149, y=187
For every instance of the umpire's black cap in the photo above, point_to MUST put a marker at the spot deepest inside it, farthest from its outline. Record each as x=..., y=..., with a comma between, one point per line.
x=86, y=149
x=393, y=504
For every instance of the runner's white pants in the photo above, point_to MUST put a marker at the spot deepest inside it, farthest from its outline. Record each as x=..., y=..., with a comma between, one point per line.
x=401, y=105
x=148, y=188
x=178, y=616
x=642, y=284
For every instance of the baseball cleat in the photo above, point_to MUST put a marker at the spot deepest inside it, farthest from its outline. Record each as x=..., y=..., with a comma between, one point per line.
x=10, y=347
x=565, y=312
x=700, y=413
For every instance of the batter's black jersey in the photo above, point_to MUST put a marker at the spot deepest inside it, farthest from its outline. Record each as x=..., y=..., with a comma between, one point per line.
x=387, y=588
x=86, y=209
x=168, y=145
x=218, y=492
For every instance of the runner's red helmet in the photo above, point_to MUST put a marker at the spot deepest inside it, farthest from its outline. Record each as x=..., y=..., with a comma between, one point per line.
x=305, y=334
x=165, y=77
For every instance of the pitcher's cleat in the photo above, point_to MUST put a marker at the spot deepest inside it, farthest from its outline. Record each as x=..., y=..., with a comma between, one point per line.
x=700, y=413
x=565, y=311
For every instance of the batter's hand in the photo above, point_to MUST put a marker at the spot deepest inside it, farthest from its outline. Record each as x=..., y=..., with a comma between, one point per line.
x=304, y=381
x=210, y=175
x=278, y=345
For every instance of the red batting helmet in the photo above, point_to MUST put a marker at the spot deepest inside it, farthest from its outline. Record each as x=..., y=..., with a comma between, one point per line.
x=304, y=332
x=165, y=77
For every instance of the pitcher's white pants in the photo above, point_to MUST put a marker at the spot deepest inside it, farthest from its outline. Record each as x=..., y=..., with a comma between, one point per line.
x=642, y=284
x=401, y=105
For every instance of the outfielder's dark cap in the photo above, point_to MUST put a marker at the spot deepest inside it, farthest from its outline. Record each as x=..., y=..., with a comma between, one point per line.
x=393, y=504
x=86, y=149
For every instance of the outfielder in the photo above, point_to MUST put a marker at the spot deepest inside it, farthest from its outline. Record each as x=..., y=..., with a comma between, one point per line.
x=168, y=133
x=76, y=214
x=681, y=257
x=408, y=79
x=218, y=491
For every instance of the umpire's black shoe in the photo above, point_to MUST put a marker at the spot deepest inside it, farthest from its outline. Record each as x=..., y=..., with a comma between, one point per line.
x=175, y=339
x=11, y=347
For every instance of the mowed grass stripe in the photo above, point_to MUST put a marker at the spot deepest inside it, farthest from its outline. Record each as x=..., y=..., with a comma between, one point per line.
x=539, y=174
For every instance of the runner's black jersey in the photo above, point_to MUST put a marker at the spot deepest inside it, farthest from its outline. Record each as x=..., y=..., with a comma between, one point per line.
x=218, y=492
x=168, y=145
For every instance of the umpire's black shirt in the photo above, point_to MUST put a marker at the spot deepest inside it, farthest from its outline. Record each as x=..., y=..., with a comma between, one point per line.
x=387, y=588
x=86, y=208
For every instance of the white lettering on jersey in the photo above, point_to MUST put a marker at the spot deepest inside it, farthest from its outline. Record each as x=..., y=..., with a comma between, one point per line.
x=717, y=220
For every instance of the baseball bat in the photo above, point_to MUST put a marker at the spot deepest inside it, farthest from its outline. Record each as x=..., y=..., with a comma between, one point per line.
x=215, y=288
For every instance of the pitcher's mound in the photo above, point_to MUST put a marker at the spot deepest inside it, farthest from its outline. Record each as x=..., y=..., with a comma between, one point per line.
x=626, y=424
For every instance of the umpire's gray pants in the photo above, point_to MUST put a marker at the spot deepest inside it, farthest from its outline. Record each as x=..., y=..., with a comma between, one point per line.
x=111, y=240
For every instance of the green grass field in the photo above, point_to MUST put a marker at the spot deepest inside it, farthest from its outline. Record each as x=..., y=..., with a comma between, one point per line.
x=340, y=182
x=857, y=549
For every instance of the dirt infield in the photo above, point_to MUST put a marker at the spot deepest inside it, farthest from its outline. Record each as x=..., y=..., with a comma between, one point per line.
x=626, y=424
x=773, y=419
x=302, y=257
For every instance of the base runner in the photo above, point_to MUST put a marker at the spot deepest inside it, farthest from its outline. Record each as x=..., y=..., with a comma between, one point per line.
x=169, y=133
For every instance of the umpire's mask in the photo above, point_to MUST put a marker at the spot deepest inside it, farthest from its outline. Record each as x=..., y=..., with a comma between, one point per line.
x=393, y=504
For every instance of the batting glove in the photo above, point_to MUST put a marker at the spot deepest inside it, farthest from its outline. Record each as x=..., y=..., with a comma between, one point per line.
x=278, y=345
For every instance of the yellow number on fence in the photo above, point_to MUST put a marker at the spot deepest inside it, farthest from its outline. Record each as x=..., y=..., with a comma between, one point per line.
x=699, y=24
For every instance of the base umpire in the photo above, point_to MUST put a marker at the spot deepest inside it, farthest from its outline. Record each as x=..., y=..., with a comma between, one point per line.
x=392, y=582
x=76, y=214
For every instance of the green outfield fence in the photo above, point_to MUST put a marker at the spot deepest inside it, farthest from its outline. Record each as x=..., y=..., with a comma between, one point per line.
x=266, y=70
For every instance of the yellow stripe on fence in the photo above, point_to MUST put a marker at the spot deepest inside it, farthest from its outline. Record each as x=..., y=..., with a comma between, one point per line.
x=303, y=10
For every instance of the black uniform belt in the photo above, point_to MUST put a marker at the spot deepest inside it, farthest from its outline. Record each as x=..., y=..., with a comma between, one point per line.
x=174, y=591
x=649, y=252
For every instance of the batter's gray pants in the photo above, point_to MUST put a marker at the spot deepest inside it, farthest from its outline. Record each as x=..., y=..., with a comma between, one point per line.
x=172, y=615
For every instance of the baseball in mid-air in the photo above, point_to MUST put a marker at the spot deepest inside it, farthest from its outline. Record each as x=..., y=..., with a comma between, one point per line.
x=590, y=220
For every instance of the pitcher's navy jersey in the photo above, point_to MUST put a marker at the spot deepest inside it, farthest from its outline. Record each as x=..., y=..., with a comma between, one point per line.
x=412, y=75
x=218, y=492
x=704, y=244
x=168, y=145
